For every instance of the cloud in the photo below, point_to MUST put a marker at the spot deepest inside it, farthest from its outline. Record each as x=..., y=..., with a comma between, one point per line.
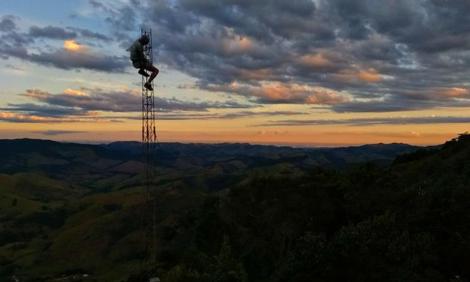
x=24, y=118
x=452, y=93
x=231, y=115
x=51, y=32
x=92, y=104
x=59, y=132
x=7, y=23
x=356, y=77
x=89, y=105
x=318, y=61
x=371, y=50
x=120, y=101
x=89, y=100
x=72, y=46
x=412, y=99
x=45, y=110
x=16, y=45
x=357, y=56
x=19, y=117
x=371, y=121
x=283, y=93
x=72, y=59
x=73, y=56
x=122, y=17
x=86, y=33
x=55, y=32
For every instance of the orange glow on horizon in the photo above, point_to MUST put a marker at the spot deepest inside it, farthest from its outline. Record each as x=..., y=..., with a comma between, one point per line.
x=191, y=132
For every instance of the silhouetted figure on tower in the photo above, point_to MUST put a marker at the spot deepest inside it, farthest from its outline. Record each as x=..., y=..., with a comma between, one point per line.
x=139, y=61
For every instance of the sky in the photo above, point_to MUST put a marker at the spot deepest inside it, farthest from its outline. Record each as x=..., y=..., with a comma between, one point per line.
x=297, y=72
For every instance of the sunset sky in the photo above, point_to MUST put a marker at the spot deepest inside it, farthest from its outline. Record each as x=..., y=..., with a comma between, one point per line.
x=297, y=72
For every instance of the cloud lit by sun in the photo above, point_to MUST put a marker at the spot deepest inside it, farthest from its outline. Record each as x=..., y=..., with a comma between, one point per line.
x=72, y=45
x=75, y=92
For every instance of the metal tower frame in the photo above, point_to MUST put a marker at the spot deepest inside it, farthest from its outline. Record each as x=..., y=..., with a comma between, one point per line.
x=149, y=142
x=149, y=135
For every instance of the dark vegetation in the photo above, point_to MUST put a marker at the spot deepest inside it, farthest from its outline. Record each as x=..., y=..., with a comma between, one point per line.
x=237, y=212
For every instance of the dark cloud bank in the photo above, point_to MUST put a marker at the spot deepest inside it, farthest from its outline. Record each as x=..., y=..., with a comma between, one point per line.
x=351, y=56
x=371, y=55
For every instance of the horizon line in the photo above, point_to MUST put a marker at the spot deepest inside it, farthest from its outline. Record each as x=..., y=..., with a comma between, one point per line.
x=291, y=145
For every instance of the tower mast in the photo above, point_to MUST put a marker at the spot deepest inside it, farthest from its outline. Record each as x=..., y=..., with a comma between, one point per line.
x=149, y=141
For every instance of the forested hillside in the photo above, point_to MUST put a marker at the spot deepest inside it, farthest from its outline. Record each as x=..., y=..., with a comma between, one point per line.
x=275, y=221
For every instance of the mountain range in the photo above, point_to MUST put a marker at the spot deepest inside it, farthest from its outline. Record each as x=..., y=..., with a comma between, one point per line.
x=234, y=212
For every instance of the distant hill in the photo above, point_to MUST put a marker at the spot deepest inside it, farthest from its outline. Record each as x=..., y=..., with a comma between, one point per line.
x=210, y=153
x=87, y=165
x=14, y=152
